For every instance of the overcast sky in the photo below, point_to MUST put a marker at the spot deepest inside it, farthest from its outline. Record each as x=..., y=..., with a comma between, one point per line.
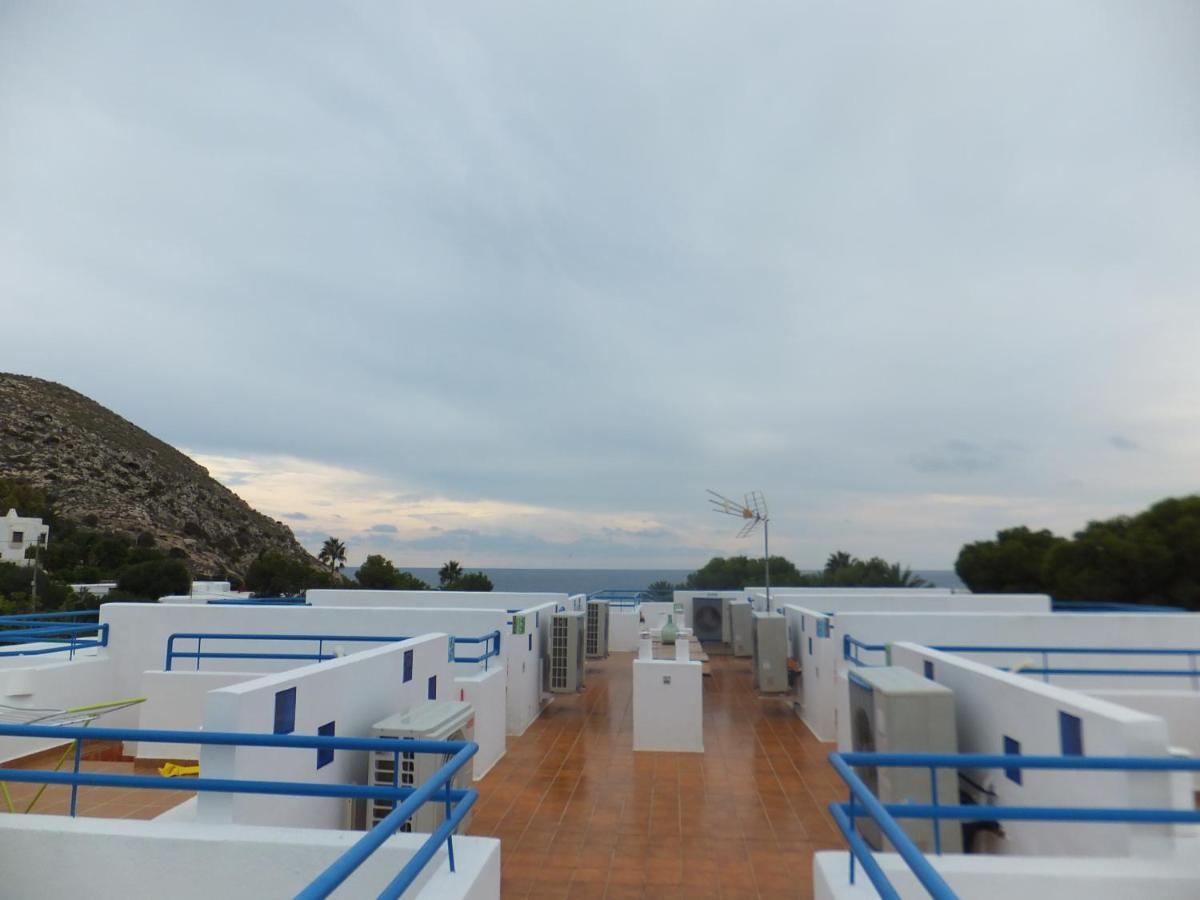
x=515, y=283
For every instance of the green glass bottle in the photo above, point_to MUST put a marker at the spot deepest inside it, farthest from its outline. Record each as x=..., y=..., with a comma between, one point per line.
x=668, y=631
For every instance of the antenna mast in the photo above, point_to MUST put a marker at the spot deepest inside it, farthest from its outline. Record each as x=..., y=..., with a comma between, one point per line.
x=754, y=511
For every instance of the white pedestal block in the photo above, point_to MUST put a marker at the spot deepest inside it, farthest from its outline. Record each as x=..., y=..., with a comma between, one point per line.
x=624, y=625
x=668, y=705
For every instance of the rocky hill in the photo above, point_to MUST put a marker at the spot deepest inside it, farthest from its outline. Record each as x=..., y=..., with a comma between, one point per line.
x=93, y=463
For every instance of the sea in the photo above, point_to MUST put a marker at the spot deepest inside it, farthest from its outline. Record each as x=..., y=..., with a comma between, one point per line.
x=587, y=581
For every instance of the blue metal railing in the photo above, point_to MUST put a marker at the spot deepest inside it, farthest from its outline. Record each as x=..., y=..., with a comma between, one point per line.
x=490, y=641
x=21, y=620
x=863, y=803
x=491, y=647
x=438, y=788
x=62, y=636
x=853, y=648
x=258, y=601
x=619, y=597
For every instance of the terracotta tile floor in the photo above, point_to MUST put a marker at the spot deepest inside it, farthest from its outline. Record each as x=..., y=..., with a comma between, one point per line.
x=581, y=815
x=110, y=803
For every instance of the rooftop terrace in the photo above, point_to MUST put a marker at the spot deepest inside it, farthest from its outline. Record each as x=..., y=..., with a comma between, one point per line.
x=581, y=815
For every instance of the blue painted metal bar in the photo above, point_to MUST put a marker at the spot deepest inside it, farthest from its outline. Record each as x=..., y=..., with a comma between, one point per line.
x=1007, y=761
x=885, y=815
x=491, y=648
x=924, y=871
x=860, y=851
x=328, y=881
x=19, y=618
x=971, y=812
x=437, y=788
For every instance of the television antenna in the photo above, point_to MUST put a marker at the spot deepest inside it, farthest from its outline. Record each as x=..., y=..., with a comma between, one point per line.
x=753, y=510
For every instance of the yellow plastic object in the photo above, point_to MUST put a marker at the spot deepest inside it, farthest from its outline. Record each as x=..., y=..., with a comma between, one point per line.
x=171, y=770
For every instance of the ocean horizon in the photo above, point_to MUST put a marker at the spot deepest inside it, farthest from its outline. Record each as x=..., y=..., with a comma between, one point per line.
x=587, y=581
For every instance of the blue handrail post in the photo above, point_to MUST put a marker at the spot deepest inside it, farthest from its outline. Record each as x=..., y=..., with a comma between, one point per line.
x=75, y=785
x=854, y=827
x=937, y=824
x=199, y=640
x=1045, y=666
x=320, y=649
x=450, y=836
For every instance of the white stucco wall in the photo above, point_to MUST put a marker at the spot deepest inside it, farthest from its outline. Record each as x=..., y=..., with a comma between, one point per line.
x=822, y=695
x=34, y=682
x=668, y=706
x=990, y=705
x=354, y=692
x=115, y=859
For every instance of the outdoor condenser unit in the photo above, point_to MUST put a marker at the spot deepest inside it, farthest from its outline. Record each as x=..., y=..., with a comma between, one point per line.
x=708, y=617
x=430, y=721
x=597, y=629
x=770, y=652
x=566, y=652
x=895, y=710
x=741, y=627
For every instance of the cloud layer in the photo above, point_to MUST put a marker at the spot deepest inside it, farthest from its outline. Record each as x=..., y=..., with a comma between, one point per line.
x=503, y=278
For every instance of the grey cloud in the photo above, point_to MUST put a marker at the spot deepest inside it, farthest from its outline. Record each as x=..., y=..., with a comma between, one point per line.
x=383, y=528
x=1120, y=442
x=957, y=457
x=556, y=256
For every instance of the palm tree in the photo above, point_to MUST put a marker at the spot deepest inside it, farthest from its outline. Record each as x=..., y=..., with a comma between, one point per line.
x=449, y=573
x=333, y=554
x=839, y=560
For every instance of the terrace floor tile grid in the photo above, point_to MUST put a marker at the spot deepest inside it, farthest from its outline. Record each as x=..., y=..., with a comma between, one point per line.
x=580, y=814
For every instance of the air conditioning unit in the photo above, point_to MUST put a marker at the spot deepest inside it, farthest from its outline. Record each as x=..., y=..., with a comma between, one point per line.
x=770, y=652
x=708, y=618
x=566, y=652
x=895, y=710
x=597, y=629
x=430, y=721
x=741, y=627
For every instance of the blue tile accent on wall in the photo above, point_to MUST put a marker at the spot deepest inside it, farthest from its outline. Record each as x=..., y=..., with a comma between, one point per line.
x=285, y=711
x=929, y=669
x=431, y=691
x=325, y=754
x=810, y=646
x=408, y=663
x=802, y=618
x=531, y=642
x=1070, y=733
x=537, y=618
x=1012, y=748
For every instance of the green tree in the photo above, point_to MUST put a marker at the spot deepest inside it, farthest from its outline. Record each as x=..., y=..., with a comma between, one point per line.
x=380, y=573
x=152, y=579
x=1014, y=563
x=275, y=574
x=333, y=554
x=1151, y=557
x=469, y=581
x=736, y=572
x=449, y=573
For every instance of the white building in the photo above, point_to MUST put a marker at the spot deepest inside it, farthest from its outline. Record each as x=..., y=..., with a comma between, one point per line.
x=17, y=534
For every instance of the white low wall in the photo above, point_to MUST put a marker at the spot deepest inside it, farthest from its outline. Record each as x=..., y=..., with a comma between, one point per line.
x=175, y=701
x=1179, y=709
x=624, y=628
x=902, y=600
x=990, y=706
x=353, y=692
x=505, y=600
x=40, y=684
x=823, y=698
x=60, y=858
x=139, y=631
x=485, y=692
x=982, y=877
x=654, y=613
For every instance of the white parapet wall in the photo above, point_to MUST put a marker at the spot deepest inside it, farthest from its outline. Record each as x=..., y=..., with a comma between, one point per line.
x=999, y=712
x=139, y=631
x=525, y=672
x=485, y=692
x=114, y=859
x=1179, y=709
x=624, y=628
x=983, y=877
x=344, y=696
x=818, y=639
x=52, y=682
